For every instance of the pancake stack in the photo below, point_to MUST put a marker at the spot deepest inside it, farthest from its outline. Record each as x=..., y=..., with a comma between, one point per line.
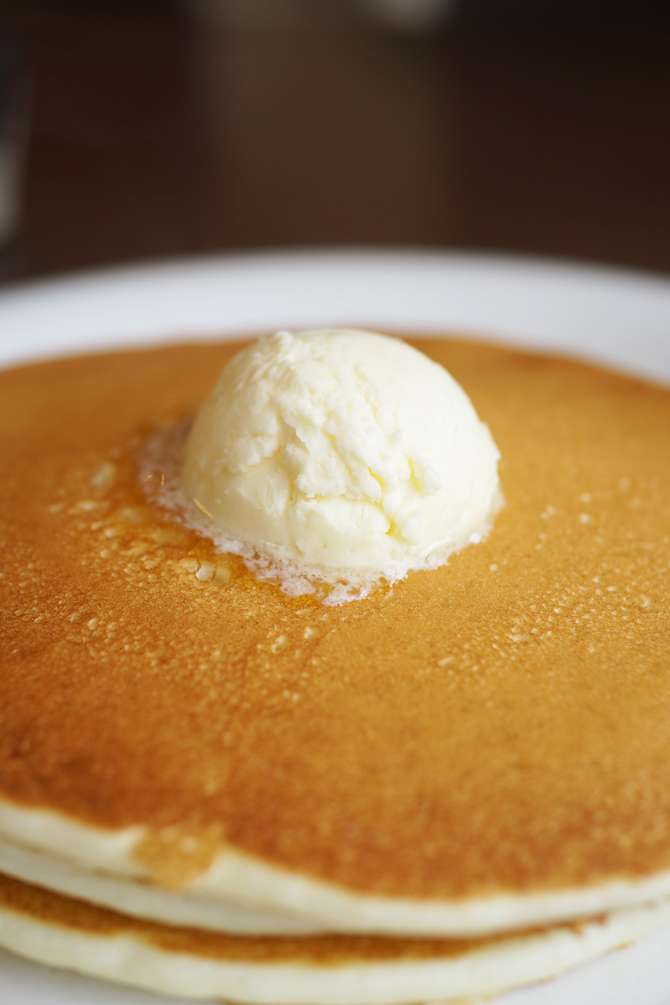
x=454, y=786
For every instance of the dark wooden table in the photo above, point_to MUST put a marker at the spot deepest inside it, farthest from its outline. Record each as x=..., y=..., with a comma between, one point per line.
x=166, y=128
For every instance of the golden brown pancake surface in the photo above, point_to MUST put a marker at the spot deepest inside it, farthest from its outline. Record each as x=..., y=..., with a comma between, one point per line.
x=499, y=724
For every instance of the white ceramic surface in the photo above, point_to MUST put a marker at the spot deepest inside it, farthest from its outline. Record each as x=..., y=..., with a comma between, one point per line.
x=614, y=316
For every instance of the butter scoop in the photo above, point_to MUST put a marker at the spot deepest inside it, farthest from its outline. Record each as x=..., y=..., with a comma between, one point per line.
x=342, y=452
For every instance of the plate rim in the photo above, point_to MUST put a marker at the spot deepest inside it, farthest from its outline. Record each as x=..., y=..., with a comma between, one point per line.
x=612, y=315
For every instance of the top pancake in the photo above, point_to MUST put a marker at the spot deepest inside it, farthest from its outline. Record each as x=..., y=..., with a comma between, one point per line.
x=500, y=724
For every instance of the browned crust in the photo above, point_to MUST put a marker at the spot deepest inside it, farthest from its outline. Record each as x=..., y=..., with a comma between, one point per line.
x=502, y=723
x=316, y=950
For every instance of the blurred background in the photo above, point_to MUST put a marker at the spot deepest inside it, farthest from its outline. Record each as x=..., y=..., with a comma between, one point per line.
x=135, y=129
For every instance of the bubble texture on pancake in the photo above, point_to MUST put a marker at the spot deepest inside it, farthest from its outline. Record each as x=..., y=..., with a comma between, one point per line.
x=500, y=724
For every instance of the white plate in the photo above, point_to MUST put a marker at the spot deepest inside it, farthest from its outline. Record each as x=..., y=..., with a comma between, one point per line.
x=613, y=316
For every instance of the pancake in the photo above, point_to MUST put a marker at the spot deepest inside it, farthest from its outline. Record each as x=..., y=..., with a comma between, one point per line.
x=321, y=970
x=479, y=748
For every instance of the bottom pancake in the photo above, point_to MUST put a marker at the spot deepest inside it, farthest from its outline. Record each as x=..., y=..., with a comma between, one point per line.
x=309, y=970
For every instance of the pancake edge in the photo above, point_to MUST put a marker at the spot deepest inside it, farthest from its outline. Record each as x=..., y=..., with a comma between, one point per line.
x=132, y=959
x=236, y=878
